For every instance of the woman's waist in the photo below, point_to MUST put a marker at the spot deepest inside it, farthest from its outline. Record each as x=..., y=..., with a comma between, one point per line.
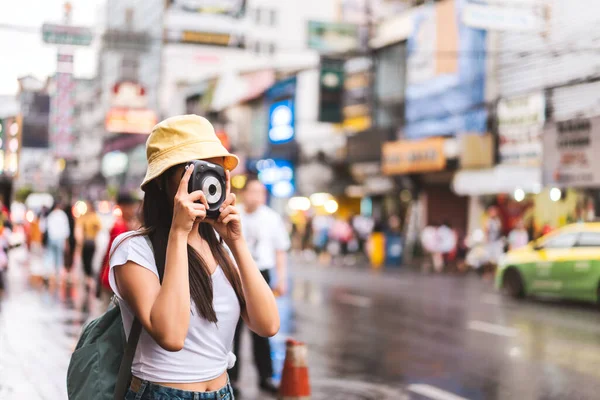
x=182, y=367
x=220, y=383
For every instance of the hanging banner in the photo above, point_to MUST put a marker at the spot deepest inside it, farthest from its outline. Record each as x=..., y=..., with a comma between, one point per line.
x=332, y=37
x=357, y=95
x=61, y=109
x=233, y=8
x=331, y=90
x=520, y=123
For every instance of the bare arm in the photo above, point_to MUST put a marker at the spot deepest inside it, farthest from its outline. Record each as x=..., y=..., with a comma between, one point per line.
x=262, y=315
x=164, y=311
x=281, y=266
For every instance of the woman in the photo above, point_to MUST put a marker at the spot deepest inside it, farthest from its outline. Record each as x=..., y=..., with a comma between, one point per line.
x=176, y=276
x=88, y=227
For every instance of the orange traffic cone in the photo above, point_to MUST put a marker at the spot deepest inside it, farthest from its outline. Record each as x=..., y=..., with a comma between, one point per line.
x=294, y=379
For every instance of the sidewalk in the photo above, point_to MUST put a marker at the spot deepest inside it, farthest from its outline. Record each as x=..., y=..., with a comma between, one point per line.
x=39, y=329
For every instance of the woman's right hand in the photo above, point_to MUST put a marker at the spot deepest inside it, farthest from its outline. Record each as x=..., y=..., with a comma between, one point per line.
x=186, y=212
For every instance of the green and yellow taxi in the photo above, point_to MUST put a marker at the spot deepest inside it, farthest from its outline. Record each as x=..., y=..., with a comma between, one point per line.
x=564, y=263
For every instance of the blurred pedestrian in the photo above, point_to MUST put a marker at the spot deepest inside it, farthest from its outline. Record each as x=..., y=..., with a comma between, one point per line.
x=71, y=245
x=57, y=230
x=269, y=242
x=88, y=226
x=125, y=220
x=518, y=237
x=321, y=224
x=35, y=235
x=5, y=233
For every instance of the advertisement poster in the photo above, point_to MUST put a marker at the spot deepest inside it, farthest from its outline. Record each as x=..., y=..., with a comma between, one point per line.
x=520, y=123
x=571, y=151
x=446, y=65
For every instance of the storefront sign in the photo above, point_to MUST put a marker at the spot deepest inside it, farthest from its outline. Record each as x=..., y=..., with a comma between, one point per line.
x=520, y=122
x=66, y=35
x=502, y=179
x=571, y=150
x=277, y=175
x=503, y=18
x=357, y=95
x=128, y=94
x=234, y=8
x=331, y=90
x=124, y=120
x=202, y=37
x=332, y=37
x=281, y=121
x=408, y=157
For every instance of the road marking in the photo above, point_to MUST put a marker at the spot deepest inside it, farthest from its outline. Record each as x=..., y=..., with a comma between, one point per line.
x=433, y=392
x=494, y=329
x=354, y=300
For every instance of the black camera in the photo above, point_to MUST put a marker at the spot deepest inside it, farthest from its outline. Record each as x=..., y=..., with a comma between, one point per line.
x=211, y=179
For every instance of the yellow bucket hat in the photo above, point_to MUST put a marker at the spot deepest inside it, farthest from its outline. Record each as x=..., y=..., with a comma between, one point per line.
x=181, y=139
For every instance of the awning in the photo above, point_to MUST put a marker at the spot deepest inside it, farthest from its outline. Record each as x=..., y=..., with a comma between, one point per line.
x=497, y=180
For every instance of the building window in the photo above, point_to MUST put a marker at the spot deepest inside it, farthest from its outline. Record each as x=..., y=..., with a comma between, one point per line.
x=257, y=13
x=129, y=17
x=273, y=17
x=272, y=48
x=257, y=47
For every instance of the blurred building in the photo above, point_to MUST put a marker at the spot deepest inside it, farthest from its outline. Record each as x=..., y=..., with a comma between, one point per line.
x=260, y=88
x=37, y=170
x=129, y=74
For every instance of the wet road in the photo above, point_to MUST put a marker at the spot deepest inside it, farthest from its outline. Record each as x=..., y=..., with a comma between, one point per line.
x=370, y=336
x=438, y=336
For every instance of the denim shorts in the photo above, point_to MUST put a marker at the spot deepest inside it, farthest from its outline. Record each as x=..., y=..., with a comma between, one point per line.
x=152, y=391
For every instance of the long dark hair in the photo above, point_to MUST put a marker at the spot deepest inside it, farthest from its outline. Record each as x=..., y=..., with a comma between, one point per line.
x=157, y=214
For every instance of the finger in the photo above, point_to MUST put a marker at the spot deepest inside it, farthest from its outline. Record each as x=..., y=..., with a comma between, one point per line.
x=228, y=184
x=229, y=201
x=183, y=185
x=198, y=195
x=198, y=206
x=199, y=214
x=230, y=218
x=226, y=211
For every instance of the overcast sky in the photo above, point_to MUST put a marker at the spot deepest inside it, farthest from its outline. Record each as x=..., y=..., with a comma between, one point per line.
x=23, y=53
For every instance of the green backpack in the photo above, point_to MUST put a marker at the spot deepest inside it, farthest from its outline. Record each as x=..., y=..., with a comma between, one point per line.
x=100, y=367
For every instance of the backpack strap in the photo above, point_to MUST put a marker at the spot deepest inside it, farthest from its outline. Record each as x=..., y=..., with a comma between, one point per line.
x=124, y=376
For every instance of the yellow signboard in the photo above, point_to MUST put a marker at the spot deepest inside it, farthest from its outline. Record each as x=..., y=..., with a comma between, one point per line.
x=409, y=157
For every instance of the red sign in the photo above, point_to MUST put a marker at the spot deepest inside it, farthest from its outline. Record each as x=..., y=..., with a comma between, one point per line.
x=129, y=120
x=224, y=139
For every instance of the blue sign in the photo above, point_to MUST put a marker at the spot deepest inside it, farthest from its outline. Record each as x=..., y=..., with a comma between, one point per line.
x=445, y=103
x=281, y=121
x=278, y=176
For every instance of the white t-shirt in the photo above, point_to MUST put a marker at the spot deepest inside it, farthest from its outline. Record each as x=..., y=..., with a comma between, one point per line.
x=265, y=234
x=57, y=224
x=206, y=352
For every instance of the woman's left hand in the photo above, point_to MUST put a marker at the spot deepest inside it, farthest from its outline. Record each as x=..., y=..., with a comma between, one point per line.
x=228, y=225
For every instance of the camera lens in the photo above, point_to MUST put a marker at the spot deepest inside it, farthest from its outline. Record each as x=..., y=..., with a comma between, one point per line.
x=212, y=189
